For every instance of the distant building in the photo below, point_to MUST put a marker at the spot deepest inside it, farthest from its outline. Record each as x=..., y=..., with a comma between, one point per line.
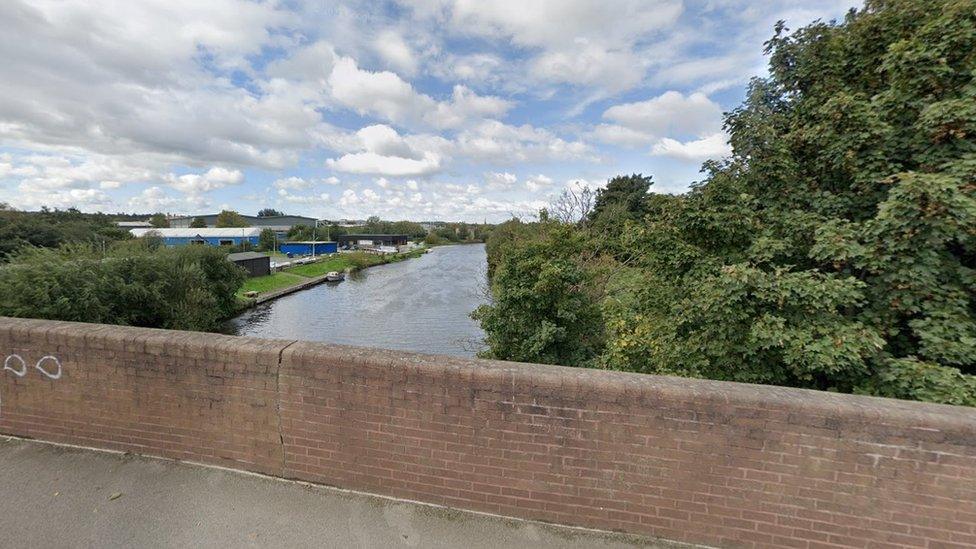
x=372, y=240
x=208, y=236
x=280, y=224
x=317, y=247
x=350, y=222
x=134, y=224
x=254, y=263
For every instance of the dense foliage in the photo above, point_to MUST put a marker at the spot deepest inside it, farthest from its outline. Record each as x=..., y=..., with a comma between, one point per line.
x=835, y=249
x=139, y=284
x=229, y=219
x=267, y=240
x=159, y=221
x=52, y=228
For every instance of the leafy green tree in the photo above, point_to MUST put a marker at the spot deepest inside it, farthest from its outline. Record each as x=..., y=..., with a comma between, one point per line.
x=269, y=212
x=198, y=223
x=543, y=308
x=159, y=221
x=835, y=249
x=230, y=218
x=623, y=197
x=53, y=228
x=267, y=239
x=299, y=233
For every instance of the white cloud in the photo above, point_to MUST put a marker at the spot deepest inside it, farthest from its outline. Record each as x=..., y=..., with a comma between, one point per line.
x=125, y=79
x=671, y=113
x=383, y=151
x=537, y=183
x=500, y=143
x=714, y=146
x=500, y=181
x=154, y=199
x=687, y=128
x=577, y=41
x=391, y=46
x=311, y=200
x=381, y=93
x=294, y=183
x=372, y=163
x=621, y=135
x=212, y=179
x=386, y=95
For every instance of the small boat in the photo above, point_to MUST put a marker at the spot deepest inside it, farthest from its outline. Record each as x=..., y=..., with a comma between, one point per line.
x=335, y=276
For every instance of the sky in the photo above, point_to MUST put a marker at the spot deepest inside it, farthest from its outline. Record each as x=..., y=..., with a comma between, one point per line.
x=406, y=109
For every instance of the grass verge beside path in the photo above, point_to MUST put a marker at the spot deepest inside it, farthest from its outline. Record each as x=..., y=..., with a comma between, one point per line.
x=294, y=276
x=269, y=283
x=338, y=263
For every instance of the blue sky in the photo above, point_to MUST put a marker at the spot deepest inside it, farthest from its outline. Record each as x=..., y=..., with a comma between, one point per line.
x=407, y=109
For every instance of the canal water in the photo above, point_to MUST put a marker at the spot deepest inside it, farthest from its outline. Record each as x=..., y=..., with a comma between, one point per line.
x=420, y=304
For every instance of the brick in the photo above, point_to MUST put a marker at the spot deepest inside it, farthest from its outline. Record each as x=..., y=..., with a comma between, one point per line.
x=690, y=460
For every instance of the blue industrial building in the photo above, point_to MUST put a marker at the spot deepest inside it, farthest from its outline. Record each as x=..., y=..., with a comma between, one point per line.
x=207, y=236
x=320, y=247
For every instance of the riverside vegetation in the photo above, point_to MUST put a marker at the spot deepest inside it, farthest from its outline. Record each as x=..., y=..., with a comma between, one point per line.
x=293, y=276
x=69, y=265
x=834, y=249
x=134, y=283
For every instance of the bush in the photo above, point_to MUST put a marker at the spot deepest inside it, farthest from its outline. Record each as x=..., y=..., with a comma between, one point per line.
x=190, y=288
x=834, y=249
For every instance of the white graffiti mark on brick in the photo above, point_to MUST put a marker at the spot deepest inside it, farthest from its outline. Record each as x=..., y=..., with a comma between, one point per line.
x=23, y=365
x=49, y=358
x=10, y=363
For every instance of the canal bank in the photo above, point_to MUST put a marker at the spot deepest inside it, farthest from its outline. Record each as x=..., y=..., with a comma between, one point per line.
x=299, y=277
x=419, y=305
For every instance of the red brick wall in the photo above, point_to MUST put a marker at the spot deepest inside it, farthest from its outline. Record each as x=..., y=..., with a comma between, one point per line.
x=698, y=461
x=173, y=394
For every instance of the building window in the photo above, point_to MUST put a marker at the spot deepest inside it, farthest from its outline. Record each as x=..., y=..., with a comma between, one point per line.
x=226, y=242
x=197, y=242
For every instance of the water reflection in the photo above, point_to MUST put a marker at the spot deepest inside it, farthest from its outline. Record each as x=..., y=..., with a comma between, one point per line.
x=416, y=305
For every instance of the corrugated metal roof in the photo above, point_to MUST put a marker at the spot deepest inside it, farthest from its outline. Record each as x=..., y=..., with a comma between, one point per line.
x=244, y=256
x=208, y=232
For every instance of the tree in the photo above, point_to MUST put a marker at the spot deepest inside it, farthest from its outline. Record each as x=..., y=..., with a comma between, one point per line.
x=543, y=306
x=573, y=205
x=159, y=221
x=300, y=233
x=269, y=212
x=198, y=223
x=623, y=196
x=230, y=218
x=188, y=288
x=267, y=239
x=53, y=228
x=834, y=249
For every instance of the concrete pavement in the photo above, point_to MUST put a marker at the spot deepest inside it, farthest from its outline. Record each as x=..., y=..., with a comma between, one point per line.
x=56, y=496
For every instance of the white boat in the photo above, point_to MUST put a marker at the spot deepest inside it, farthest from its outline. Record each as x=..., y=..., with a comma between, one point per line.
x=335, y=276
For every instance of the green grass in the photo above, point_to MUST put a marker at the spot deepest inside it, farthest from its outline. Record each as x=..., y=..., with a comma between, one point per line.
x=296, y=275
x=320, y=268
x=262, y=284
